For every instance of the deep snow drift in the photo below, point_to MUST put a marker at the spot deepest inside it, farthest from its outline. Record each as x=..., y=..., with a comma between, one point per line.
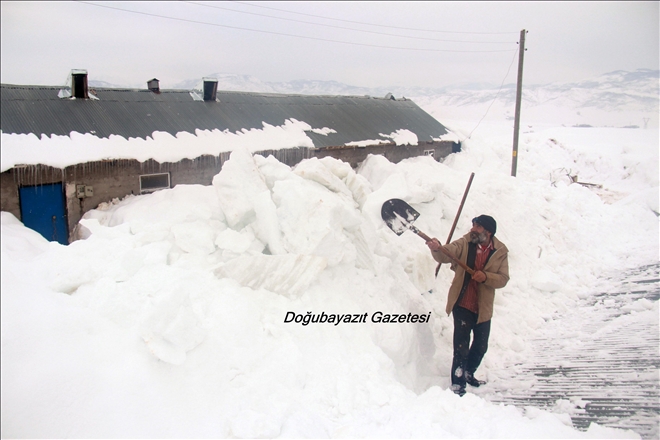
x=168, y=320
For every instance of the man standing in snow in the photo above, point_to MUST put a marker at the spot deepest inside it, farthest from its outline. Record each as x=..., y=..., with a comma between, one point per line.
x=471, y=298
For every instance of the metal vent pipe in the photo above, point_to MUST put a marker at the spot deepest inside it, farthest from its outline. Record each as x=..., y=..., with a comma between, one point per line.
x=210, y=89
x=79, y=84
x=153, y=85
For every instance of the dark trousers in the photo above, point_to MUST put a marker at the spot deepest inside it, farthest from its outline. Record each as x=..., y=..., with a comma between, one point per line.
x=467, y=357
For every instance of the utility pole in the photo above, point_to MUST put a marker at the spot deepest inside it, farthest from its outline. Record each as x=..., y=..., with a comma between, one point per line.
x=516, y=127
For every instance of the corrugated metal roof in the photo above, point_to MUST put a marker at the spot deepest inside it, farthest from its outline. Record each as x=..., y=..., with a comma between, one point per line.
x=138, y=113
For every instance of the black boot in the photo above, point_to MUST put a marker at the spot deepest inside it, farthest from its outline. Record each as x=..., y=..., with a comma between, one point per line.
x=458, y=389
x=471, y=380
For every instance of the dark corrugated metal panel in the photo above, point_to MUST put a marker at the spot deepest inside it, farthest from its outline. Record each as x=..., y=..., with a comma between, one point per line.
x=138, y=113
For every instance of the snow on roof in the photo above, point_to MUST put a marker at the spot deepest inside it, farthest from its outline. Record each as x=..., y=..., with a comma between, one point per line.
x=38, y=126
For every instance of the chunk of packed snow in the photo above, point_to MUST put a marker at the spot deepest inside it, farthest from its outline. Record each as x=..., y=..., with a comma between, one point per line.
x=402, y=137
x=180, y=297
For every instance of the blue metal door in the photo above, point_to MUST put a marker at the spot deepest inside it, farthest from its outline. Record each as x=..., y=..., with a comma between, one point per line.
x=42, y=209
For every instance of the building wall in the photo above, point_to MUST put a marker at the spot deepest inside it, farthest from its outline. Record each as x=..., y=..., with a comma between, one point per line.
x=9, y=193
x=117, y=179
x=112, y=179
x=31, y=175
x=393, y=153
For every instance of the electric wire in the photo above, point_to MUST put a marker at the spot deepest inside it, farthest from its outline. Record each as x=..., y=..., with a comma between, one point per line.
x=345, y=28
x=496, y=95
x=372, y=24
x=289, y=35
x=337, y=41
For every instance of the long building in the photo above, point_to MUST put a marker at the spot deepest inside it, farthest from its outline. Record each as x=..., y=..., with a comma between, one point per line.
x=52, y=200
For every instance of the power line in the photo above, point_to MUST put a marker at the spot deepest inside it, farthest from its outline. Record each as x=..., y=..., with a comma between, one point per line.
x=495, y=98
x=346, y=28
x=373, y=24
x=288, y=35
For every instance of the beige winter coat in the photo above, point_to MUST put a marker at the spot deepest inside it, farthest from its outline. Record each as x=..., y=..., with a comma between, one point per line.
x=496, y=270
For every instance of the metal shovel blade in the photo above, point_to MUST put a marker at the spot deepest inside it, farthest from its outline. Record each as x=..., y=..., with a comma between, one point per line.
x=398, y=215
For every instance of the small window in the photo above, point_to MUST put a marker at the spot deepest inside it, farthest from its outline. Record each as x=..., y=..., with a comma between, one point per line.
x=429, y=153
x=154, y=182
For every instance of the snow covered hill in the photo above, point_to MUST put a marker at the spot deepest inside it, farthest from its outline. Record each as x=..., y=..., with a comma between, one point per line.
x=615, y=99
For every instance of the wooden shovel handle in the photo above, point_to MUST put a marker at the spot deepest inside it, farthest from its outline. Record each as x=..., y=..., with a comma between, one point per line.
x=458, y=214
x=443, y=250
x=420, y=233
x=460, y=208
x=457, y=261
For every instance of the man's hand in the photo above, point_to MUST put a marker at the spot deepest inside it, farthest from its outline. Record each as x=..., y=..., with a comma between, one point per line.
x=479, y=276
x=434, y=244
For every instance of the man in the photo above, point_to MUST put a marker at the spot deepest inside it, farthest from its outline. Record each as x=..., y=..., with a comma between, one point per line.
x=470, y=299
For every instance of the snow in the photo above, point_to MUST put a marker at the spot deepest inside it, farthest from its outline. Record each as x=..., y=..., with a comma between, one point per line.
x=399, y=137
x=615, y=99
x=62, y=151
x=168, y=319
x=402, y=137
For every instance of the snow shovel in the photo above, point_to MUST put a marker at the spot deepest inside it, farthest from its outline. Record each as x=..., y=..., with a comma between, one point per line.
x=400, y=216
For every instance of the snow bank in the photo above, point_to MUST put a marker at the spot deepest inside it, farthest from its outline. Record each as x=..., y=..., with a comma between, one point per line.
x=62, y=151
x=399, y=137
x=183, y=312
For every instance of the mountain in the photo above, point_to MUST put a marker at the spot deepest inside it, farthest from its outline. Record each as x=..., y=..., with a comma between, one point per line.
x=230, y=82
x=619, y=98
x=612, y=88
x=248, y=83
x=103, y=84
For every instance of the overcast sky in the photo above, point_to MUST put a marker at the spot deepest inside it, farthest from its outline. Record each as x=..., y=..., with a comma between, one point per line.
x=365, y=44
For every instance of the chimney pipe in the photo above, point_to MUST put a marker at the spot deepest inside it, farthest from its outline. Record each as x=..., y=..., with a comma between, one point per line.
x=210, y=89
x=153, y=85
x=79, y=84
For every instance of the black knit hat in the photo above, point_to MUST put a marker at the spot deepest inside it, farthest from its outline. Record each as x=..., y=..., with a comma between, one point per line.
x=487, y=222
